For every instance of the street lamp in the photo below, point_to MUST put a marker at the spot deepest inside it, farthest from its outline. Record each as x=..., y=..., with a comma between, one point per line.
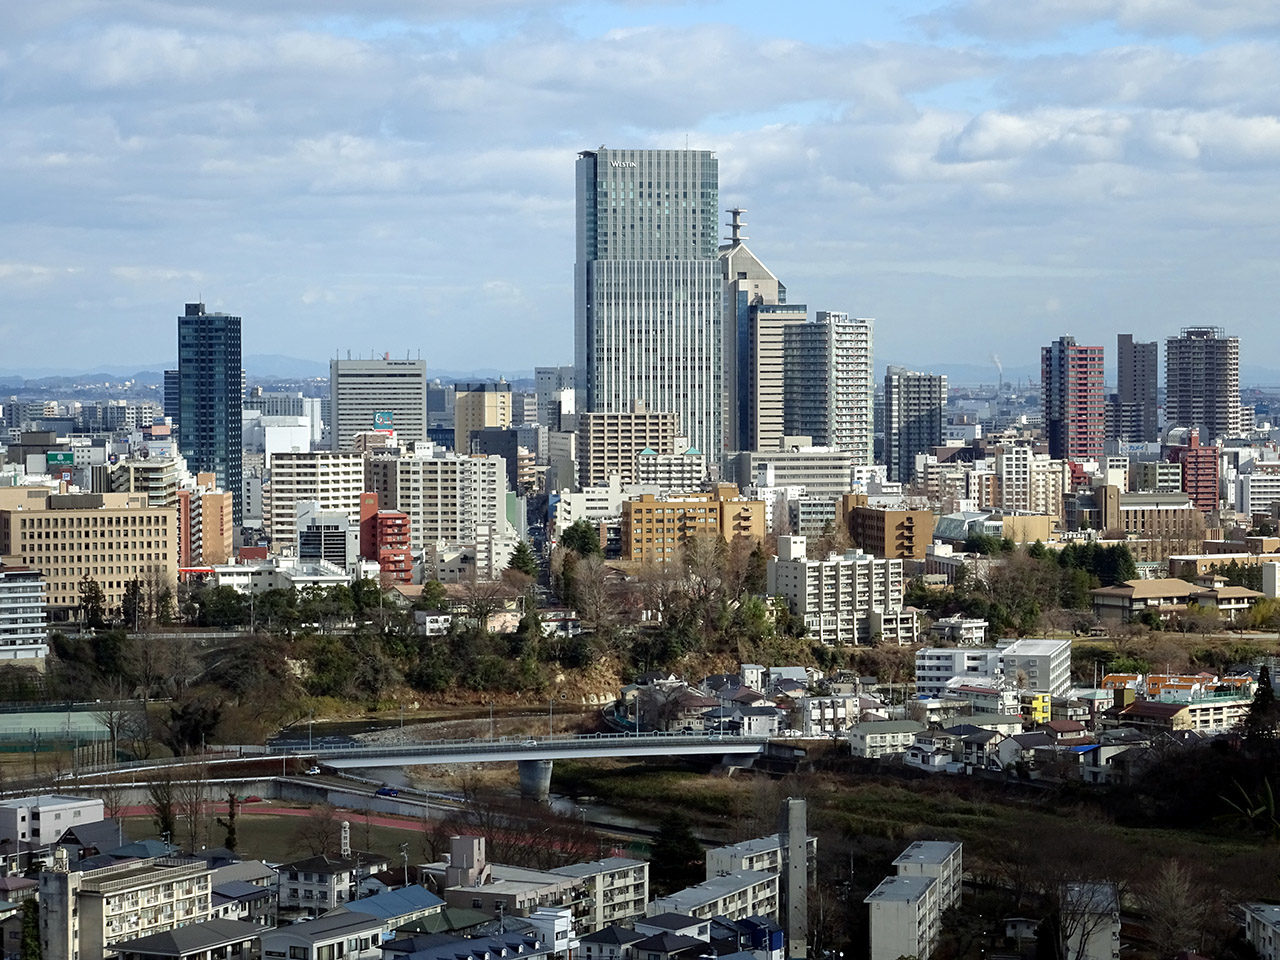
x=490, y=719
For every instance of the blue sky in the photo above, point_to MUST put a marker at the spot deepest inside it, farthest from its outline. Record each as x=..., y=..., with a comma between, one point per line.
x=978, y=175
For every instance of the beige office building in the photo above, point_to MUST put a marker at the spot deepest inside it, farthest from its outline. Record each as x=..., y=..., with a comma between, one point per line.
x=113, y=538
x=609, y=443
x=476, y=406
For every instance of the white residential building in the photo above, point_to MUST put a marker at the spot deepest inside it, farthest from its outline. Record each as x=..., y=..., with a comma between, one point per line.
x=614, y=889
x=41, y=820
x=1091, y=921
x=1031, y=482
x=24, y=616
x=873, y=739
x=837, y=596
x=672, y=471
x=1037, y=665
x=764, y=854
x=905, y=918
x=962, y=631
x=333, y=480
x=745, y=893
x=447, y=497
x=936, y=667
x=825, y=716
x=939, y=859
x=82, y=913
x=1262, y=928
x=1258, y=489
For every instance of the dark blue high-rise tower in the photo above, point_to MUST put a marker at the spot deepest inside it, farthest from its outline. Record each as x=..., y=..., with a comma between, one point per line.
x=210, y=393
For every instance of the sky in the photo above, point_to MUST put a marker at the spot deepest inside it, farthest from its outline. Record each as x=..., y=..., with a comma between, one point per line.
x=980, y=176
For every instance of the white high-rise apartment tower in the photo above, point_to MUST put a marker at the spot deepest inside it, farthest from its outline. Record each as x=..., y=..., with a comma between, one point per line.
x=377, y=394
x=828, y=392
x=1202, y=382
x=647, y=282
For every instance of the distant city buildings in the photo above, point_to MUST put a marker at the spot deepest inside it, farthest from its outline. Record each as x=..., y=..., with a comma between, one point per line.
x=914, y=405
x=828, y=393
x=1071, y=390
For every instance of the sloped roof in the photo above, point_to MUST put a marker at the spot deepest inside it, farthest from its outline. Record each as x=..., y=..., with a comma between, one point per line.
x=193, y=938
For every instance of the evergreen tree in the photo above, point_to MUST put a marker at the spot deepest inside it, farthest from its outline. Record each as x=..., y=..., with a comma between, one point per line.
x=676, y=856
x=582, y=538
x=93, y=603
x=523, y=560
x=1264, y=713
x=30, y=945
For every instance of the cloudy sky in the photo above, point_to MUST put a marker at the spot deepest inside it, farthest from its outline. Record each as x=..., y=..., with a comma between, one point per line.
x=979, y=175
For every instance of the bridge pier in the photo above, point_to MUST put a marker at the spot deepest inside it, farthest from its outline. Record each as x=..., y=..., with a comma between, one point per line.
x=535, y=779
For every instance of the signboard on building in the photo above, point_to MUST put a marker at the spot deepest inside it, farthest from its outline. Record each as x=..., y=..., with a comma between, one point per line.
x=384, y=419
x=57, y=458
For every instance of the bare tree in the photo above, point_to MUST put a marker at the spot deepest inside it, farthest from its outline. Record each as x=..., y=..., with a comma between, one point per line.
x=1178, y=908
x=190, y=795
x=318, y=833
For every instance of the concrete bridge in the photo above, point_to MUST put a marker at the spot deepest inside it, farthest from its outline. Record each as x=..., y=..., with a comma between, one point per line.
x=533, y=756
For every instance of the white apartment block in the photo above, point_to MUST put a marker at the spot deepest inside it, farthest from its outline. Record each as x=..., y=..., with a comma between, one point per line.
x=24, y=615
x=1031, y=482
x=616, y=890
x=671, y=471
x=594, y=504
x=936, y=667
x=906, y=909
x=611, y=443
x=82, y=913
x=1258, y=489
x=835, y=596
x=960, y=630
x=825, y=716
x=447, y=497
x=1262, y=928
x=820, y=471
x=1037, y=665
x=745, y=893
x=763, y=854
x=905, y=918
x=41, y=820
x=873, y=739
x=333, y=480
x=941, y=860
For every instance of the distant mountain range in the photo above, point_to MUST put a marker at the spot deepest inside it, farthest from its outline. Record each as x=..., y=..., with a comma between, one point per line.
x=274, y=366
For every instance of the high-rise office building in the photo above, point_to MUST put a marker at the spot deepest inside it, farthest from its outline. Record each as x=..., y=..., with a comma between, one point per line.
x=377, y=394
x=1132, y=413
x=210, y=394
x=754, y=305
x=647, y=316
x=828, y=392
x=1071, y=394
x=477, y=406
x=913, y=405
x=1202, y=382
x=172, y=396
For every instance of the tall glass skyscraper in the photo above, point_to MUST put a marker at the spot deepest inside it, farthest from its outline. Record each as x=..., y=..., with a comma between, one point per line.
x=210, y=394
x=647, y=284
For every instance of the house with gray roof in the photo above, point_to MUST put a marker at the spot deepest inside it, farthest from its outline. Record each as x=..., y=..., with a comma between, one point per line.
x=227, y=939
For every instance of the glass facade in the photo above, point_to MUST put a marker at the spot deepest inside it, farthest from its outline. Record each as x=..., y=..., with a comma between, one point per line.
x=210, y=394
x=647, y=287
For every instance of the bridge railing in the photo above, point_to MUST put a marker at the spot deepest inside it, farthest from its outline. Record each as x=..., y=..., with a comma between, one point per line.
x=583, y=742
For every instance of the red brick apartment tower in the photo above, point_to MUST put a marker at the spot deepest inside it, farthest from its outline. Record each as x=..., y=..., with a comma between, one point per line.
x=1071, y=395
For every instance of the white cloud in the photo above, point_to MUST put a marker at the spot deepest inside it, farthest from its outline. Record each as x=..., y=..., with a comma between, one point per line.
x=1034, y=19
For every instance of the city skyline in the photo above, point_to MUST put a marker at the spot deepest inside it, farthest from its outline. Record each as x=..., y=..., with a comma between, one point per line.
x=359, y=175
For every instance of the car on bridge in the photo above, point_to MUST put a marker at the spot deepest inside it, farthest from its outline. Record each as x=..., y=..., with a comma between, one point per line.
x=386, y=792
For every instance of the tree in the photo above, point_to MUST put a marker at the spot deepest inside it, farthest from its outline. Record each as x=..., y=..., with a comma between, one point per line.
x=1177, y=909
x=93, y=603
x=318, y=833
x=522, y=559
x=164, y=804
x=1260, y=722
x=676, y=856
x=582, y=538
x=229, y=824
x=30, y=948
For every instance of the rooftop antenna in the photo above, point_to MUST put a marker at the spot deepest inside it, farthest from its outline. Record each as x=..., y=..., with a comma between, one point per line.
x=736, y=236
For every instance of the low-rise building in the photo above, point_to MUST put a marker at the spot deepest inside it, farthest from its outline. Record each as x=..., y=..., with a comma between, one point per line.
x=939, y=859
x=937, y=667
x=874, y=739
x=1035, y=665
x=614, y=889
x=905, y=918
x=761, y=854
x=42, y=820
x=1262, y=928
x=962, y=631
x=314, y=885
x=744, y=893
x=221, y=939
x=351, y=936
x=24, y=615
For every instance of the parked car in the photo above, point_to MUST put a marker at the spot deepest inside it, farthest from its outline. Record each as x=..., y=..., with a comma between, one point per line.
x=387, y=792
